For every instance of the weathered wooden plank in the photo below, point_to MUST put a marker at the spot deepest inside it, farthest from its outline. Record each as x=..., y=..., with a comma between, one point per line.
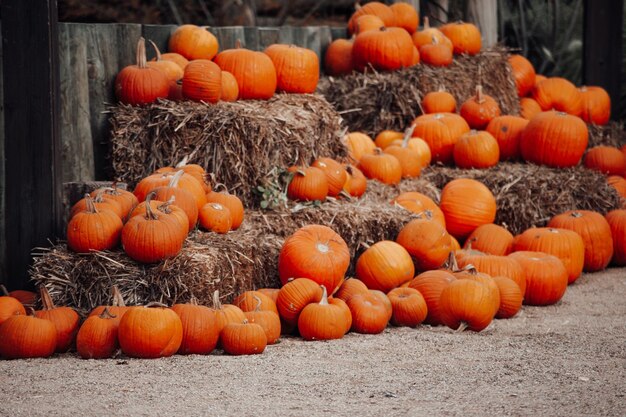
x=267, y=37
x=339, y=33
x=160, y=35
x=484, y=14
x=228, y=36
x=286, y=35
x=251, y=36
x=74, y=127
x=602, y=64
x=110, y=48
x=3, y=246
x=33, y=151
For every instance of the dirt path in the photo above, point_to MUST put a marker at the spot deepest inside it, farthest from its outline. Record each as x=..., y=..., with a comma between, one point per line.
x=563, y=360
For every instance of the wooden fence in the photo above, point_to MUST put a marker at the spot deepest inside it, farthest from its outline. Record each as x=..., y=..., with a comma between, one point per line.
x=91, y=55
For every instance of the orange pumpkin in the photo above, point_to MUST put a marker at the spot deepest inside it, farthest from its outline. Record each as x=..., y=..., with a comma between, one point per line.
x=529, y=108
x=511, y=297
x=177, y=58
x=230, y=89
x=215, y=217
x=356, y=182
x=338, y=57
x=268, y=320
x=193, y=42
x=507, y=130
x=523, y=73
x=479, y=110
x=493, y=265
x=336, y=175
x=427, y=242
x=243, y=338
x=315, y=252
x=367, y=22
x=428, y=34
x=421, y=205
x=406, y=16
x=490, y=238
x=294, y=296
x=93, y=230
x=307, y=184
x=171, y=69
x=596, y=105
x=182, y=198
x=9, y=306
x=559, y=94
x=370, y=313
x=382, y=167
x=199, y=324
x=618, y=183
x=202, y=81
x=476, y=149
x=410, y=159
x=349, y=288
x=384, y=12
x=546, y=277
x=606, y=159
x=439, y=102
x=385, y=49
x=408, y=307
x=322, y=321
x=359, y=144
x=97, y=336
x=440, y=131
x=617, y=222
x=297, y=69
x=24, y=336
x=385, y=265
x=230, y=201
x=465, y=37
x=466, y=204
x=430, y=284
x=467, y=304
x=386, y=137
x=66, y=321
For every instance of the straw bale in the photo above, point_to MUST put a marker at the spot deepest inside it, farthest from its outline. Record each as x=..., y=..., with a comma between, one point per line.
x=611, y=134
x=240, y=142
x=374, y=101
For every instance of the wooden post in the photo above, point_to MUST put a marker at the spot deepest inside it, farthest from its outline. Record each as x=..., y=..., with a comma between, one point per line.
x=484, y=14
x=602, y=48
x=32, y=149
x=3, y=244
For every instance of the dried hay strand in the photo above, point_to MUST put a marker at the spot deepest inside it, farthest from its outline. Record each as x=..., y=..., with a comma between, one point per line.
x=208, y=262
x=612, y=134
x=375, y=101
x=529, y=195
x=240, y=142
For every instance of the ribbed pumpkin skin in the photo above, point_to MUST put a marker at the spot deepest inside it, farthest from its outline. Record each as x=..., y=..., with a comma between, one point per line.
x=384, y=266
x=565, y=244
x=338, y=57
x=200, y=329
x=193, y=42
x=10, y=306
x=232, y=203
x=308, y=184
x=297, y=69
x=336, y=174
x=249, y=301
x=322, y=321
x=367, y=22
x=511, y=297
x=494, y=265
x=619, y=183
x=410, y=160
x=554, y=139
x=523, y=73
x=183, y=199
x=269, y=322
x=408, y=306
x=164, y=209
x=418, y=145
x=356, y=181
x=406, y=16
x=94, y=231
x=617, y=223
x=465, y=37
x=476, y=149
x=439, y=102
x=441, y=131
x=382, y=167
x=216, y=218
x=97, y=337
x=254, y=71
x=386, y=137
x=148, y=240
x=177, y=58
x=481, y=277
x=479, y=110
x=529, y=108
x=316, y=252
x=359, y=144
x=243, y=339
x=606, y=159
x=370, y=315
x=546, y=277
x=430, y=284
x=139, y=84
x=429, y=35
x=595, y=232
x=558, y=94
x=596, y=105
x=421, y=205
x=467, y=204
x=202, y=81
x=66, y=321
x=347, y=315
x=507, y=131
x=427, y=242
x=491, y=239
x=469, y=302
x=384, y=12
x=386, y=49
x=350, y=288
x=187, y=181
x=436, y=54
x=294, y=296
x=27, y=337
x=230, y=89
x=150, y=332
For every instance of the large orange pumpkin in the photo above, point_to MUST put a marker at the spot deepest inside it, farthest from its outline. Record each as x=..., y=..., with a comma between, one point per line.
x=386, y=49
x=297, y=69
x=152, y=331
x=202, y=81
x=408, y=307
x=606, y=159
x=596, y=105
x=427, y=242
x=384, y=12
x=617, y=223
x=441, y=131
x=338, y=57
x=439, y=102
x=384, y=266
x=507, y=130
x=193, y=42
x=559, y=94
x=546, y=277
x=465, y=37
x=523, y=73
x=467, y=304
x=554, y=139
x=476, y=149
x=315, y=252
x=467, y=204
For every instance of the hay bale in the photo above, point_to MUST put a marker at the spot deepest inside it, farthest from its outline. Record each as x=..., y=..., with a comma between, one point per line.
x=238, y=261
x=529, y=195
x=375, y=101
x=612, y=134
x=240, y=142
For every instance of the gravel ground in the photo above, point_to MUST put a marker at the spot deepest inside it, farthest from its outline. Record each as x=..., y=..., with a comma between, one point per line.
x=563, y=360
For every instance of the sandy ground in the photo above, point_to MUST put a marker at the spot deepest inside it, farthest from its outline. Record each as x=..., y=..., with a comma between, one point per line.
x=563, y=360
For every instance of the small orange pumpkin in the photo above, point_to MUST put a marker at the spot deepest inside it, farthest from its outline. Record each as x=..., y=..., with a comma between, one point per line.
x=476, y=149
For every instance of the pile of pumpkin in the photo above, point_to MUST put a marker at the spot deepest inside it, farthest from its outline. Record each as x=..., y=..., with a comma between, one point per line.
x=154, y=220
x=194, y=70
x=386, y=37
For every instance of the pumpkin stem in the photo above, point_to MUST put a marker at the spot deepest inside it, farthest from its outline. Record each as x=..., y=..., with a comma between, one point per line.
x=258, y=303
x=219, y=185
x=480, y=99
x=183, y=162
x=238, y=44
x=576, y=215
x=324, y=300
x=46, y=300
x=451, y=263
x=193, y=300
x=154, y=304
x=357, y=6
x=3, y=290
x=165, y=207
x=217, y=304
x=176, y=178
x=150, y=215
x=426, y=23
x=91, y=207
x=118, y=300
x=461, y=327
x=345, y=194
x=30, y=311
x=156, y=49
x=407, y=135
x=300, y=171
x=106, y=314
x=141, y=53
